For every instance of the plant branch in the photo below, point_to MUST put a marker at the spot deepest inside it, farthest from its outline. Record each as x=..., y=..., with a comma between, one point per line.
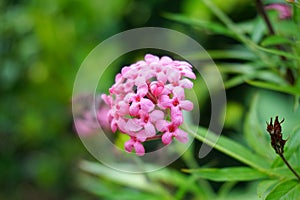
x=230, y=148
x=260, y=7
x=289, y=166
x=261, y=10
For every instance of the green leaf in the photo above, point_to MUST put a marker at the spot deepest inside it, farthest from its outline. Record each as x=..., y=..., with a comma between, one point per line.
x=255, y=135
x=286, y=189
x=150, y=183
x=274, y=86
x=228, y=174
x=258, y=30
x=266, y=104
x=138, y=181
x=105, y=190
x=284, y=171
x=279, y=52
x=236, y=80
x=275, y=40
x=180, y=180
x=233, y=68
x=230, y=148
x=247, y=74
x=264, y=187
x=237, y=54
x=212, y=26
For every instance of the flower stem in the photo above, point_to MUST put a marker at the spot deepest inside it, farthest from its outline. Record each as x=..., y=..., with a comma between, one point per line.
x=289, y=166
x=230, y=148
x=156, y=137
x=261, y=10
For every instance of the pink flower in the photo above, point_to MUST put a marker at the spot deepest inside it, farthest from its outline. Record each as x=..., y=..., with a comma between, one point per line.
x=171, y=130
x=285, y=11
x=86, y=120
x=145, y=95
x=134, y=143
x=145, y=122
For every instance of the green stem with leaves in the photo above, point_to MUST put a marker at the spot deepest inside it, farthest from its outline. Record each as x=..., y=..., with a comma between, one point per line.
x=260, y=7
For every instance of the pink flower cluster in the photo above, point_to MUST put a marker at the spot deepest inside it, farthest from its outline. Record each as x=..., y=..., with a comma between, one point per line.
x=147, y=100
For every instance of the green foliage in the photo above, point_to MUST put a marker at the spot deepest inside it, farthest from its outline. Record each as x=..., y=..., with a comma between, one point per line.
x=287, y=189
x=42, y=45
x=266, y=69
x=228, y=174
x=269, y=65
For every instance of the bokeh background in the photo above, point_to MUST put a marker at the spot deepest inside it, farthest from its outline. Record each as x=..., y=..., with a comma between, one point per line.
x=42, y=44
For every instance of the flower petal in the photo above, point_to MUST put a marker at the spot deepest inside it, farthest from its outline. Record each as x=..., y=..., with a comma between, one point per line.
x=161, y=125
x=189, y=74
x=165, y=60
x=186, y=83
x=156, y=115
x=122, y=125
x=149, y=58
x=181, y=136
x=186, y=105
x=149, y=130
x=142, y=90
x=173, y=76
x=176, y=116
x=167, y=138
x=164, y=102
x=147, y=105
x=134, y=109
x=179, y=92
x=161, y=76
x=139, y=148
x=133, y=125
x=129, y=145
x=141, y=136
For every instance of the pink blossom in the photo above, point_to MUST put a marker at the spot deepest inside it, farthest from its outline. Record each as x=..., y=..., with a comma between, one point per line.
x=285, y=11
x=171, y=130
x=134, y=143
x=145, y=95
x=88, y=121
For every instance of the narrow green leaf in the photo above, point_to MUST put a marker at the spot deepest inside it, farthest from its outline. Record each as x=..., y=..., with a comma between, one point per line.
x=228, y=174
x=138, y=181
x=237, y=31
x=276, y=87
x=212, y=26
x=286, y=189
x=249, y=74
x=177, y=179
x=284, y=171
x=230, y=148
x=279, y=53
x=275, y=40
x=223, y=54
x=258, y=30
x=226, y=188
x=103, y=189
x=236, y=80
x=149, y=183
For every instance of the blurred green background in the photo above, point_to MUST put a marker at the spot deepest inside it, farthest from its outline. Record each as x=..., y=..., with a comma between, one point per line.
x=42, y=44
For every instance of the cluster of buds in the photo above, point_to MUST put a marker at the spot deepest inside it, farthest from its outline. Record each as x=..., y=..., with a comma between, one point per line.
x=147, y=99
x=276, y=136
